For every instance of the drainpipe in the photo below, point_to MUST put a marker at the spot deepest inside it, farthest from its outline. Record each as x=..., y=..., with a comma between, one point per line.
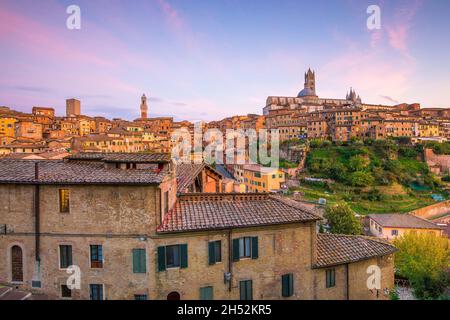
x=230, y=259
x=36, y=280
x=37, y=211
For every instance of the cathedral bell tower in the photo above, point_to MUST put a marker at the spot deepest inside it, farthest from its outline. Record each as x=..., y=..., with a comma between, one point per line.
x=310, y=80
x=144, y=107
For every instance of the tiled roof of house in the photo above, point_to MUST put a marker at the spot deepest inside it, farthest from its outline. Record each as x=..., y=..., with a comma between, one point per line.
x=397, y=220
x=201, y=212
x=122, y=157
x=333, y=250
x=73, y=172
x=187, y=172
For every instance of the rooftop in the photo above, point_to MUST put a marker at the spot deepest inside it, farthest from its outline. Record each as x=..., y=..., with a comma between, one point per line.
x=122, y=157
x=333, y=250
x=186, y=174
x=73, y=172
x=202, y=212
x=396, y=220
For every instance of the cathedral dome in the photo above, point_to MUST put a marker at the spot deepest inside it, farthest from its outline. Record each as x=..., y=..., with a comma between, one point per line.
x=306, y=93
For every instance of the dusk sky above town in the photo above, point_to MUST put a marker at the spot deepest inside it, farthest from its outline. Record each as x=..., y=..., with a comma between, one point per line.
x=205, y=60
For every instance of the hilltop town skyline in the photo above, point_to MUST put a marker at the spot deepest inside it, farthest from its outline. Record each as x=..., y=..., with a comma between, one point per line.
x=193, y=64
x=60, y=110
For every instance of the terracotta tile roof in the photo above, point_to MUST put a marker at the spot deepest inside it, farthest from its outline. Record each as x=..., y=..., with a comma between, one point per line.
x=335, y=249
x=73, y=172
x=186, y=174
x=397, y=220
x=200, y=212
x=122, y=157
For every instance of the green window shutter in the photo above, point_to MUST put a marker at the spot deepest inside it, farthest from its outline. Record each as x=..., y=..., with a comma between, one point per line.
x=254, y=247
x=161, y=258
x=184, y=256
x=250, y=290
x=235, y=249
x=139, y=261
x=285, y=285
x=246, y=290
x=291, y=284
x=206, y=293
x=143, y=260
x=69, y=260
x=211, y=253
x=135, y=261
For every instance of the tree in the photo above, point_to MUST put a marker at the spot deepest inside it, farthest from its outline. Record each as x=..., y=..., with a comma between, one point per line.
x=342, y=219
x=423, y=259
x=361, y=179
x=358, y=163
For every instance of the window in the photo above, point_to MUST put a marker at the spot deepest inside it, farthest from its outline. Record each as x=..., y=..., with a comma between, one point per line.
x=394, y=232
x=64, y=200
x=172, y=257
x=139, y=261
x=246, y=247
x=246, y=290
x=330, y=278
x=65, y=291
x=215, y=252
x=287, y=285
x=206, y=293
x=96, y=291
x=65, y=256
x=140, y=297
x=96, y=256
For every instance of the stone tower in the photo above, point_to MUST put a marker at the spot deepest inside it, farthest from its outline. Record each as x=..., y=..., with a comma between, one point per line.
x=310, y=80
x=144, y=107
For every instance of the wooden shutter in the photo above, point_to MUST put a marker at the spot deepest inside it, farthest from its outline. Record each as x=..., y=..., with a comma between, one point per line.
x=211, y=253
x=161, y=258
x=254, y=247
x=249, y=290
x=69, y=255
x=235, y=249
x=287, y=285
x=184, y=256
x=143, y=260
x=206, y=293
x=139, y=261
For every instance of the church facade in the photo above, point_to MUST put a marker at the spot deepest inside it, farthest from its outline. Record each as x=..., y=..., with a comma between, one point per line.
x=308, y=99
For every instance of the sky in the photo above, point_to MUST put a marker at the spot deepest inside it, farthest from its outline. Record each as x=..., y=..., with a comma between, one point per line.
x=209, y=59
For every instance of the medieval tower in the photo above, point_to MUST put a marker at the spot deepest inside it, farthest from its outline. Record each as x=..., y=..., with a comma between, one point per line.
x=144, y=107
x=310, y=80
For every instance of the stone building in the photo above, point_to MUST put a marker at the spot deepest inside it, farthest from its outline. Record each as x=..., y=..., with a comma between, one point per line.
x=29, y=129
x=73, y=107
x=119, y=219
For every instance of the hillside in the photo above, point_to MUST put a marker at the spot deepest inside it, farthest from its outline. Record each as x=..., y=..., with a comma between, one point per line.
x=373, y=177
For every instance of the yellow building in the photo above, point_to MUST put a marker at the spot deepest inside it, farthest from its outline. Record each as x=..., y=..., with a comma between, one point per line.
x=262, y=179
x=391, y=226
x=7, y=126
x=428, y=129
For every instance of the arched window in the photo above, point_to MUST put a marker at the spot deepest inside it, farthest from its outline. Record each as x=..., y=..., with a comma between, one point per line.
x=16, y=264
